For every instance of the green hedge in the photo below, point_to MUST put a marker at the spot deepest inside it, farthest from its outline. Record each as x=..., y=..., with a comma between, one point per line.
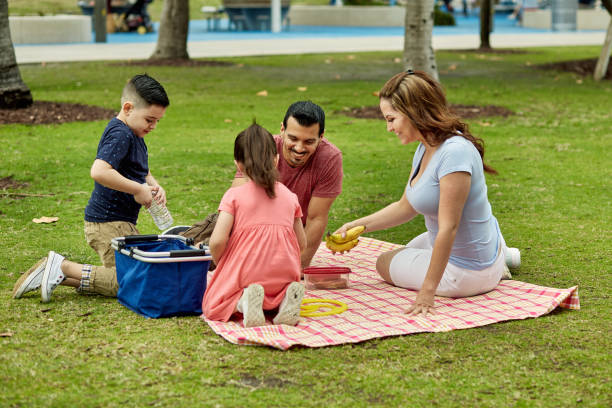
x=443, y=18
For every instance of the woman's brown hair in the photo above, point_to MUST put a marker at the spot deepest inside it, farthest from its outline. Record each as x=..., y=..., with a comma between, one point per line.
x=420, y=98
x=255, y=149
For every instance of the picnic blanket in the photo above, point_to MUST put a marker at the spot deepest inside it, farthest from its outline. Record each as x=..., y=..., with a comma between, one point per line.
x=376, y=309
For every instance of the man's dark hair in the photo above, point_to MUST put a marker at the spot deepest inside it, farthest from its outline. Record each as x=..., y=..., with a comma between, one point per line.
x=147, y=89
x=307, y=114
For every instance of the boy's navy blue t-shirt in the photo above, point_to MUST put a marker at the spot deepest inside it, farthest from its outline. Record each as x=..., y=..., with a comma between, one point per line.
x=126, y=153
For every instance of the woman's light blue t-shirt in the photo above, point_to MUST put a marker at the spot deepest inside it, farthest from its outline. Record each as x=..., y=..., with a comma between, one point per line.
x=478, y=237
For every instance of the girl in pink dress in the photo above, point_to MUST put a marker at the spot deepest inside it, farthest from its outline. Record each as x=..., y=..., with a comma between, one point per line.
x=257, y=240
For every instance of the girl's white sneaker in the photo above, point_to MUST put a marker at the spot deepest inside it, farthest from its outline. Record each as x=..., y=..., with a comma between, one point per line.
x=289, y=309
x=251, y=306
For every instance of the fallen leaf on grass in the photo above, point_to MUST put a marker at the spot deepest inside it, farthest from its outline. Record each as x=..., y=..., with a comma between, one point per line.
x=485, y=124
x=452, y=67
x=6, y=334
x=376, y=93
x=262, y=93
x=302, y=88
x=227, y=120
x=45, y=220
x=45, y=310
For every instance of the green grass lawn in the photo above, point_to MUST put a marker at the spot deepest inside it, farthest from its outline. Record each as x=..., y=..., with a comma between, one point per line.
x=552, y=198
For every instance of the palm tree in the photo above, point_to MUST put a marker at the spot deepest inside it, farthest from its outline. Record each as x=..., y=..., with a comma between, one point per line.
x=14, y=93
x=485, y=24
x=418, y=28
x=604, y=57
x=173, y=28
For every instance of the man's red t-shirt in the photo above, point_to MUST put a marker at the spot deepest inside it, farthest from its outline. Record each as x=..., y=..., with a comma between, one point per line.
x=321, y=176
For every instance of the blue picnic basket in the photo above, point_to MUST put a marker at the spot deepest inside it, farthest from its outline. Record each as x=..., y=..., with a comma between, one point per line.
x=161, y=275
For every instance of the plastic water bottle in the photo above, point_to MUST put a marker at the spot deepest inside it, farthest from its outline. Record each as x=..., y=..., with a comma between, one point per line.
x=161, y=215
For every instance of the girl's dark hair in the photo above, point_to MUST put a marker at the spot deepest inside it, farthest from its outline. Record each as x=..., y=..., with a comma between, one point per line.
x=255, y=149
x=421, y=98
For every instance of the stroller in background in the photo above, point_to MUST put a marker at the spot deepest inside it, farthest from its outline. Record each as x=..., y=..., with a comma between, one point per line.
x=123, y=15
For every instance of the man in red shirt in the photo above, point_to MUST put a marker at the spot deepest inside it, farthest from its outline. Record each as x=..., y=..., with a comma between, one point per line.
x=310, y=166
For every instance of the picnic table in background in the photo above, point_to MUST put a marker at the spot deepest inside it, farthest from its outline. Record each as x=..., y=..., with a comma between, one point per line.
x=253, y=15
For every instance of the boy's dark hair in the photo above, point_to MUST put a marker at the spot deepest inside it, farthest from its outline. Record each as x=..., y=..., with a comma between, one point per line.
x=143, y=89
x=307, y=114
x=255, y=149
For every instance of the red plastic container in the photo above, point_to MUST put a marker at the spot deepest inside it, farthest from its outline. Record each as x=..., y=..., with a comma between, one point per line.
x=326, y=277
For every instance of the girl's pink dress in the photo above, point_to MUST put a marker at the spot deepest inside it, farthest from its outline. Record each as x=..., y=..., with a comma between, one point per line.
x=262, y=249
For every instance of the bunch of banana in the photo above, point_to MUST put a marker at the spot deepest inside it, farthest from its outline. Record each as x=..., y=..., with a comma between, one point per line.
x=336, y=243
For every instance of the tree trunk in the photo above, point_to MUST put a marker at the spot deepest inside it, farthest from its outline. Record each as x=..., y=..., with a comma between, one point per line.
x=173, y=28
x=485, y=24
x=14, y=93
x=418, y=51
x=604, y=58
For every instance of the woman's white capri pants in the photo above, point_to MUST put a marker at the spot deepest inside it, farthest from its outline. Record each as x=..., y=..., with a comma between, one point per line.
x=409, y=267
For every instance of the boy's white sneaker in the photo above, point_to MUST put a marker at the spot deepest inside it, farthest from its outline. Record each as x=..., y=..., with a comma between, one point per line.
x=52, y=276
x=251, y=306
x=30, y=280
x=513, y=257
x=289, y=309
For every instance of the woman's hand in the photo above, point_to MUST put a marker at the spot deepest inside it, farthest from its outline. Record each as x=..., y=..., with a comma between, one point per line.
x=343, y=229
x=423, y=304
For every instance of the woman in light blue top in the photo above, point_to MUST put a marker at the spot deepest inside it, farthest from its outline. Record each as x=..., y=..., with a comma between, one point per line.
x=462, y=253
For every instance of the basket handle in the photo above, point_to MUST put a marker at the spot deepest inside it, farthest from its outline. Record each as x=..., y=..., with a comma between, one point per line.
x=140, y=238
x=179, y=253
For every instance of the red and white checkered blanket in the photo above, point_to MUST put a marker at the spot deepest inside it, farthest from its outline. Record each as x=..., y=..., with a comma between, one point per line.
x=376, y=309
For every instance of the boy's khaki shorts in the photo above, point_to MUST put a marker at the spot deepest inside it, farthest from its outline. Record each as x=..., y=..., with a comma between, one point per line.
x=103, y=279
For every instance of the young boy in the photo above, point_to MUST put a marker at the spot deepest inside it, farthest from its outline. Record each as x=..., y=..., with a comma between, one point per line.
x=123, y=183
